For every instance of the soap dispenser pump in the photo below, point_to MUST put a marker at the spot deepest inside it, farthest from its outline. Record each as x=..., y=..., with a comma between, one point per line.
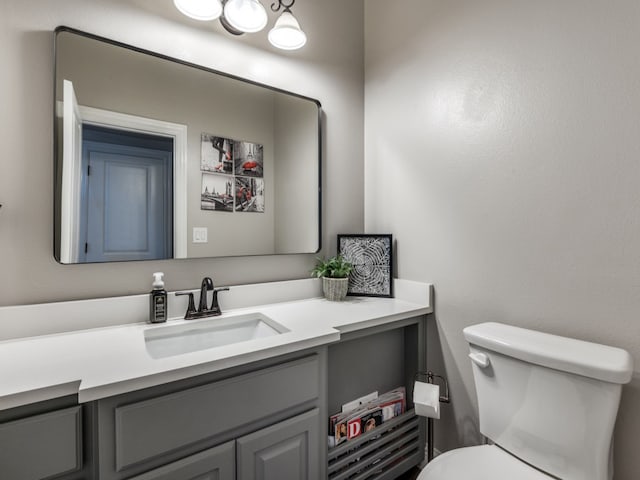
x=158, y=304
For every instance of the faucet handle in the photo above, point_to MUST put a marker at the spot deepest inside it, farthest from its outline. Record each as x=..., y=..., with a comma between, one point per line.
x=191, y=309
x=215, y=307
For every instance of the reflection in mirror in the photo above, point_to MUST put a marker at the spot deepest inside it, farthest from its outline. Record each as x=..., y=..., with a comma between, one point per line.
x=156, y=159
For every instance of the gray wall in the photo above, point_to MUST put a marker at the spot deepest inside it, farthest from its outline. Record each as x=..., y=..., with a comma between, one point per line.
x=329, y=68
x=501, y=149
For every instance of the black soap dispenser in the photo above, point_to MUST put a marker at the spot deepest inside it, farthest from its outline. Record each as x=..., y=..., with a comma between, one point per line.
x=158, y=304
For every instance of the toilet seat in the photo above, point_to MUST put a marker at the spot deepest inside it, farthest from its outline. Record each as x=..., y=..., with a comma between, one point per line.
x=484, y=462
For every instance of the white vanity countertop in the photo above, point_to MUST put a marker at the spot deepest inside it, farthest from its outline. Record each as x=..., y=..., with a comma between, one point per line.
x=105, y=361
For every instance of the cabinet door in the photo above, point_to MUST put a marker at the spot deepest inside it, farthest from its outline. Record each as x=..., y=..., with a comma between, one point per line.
x=216, y=463
x=286, y=450
x=41, y=446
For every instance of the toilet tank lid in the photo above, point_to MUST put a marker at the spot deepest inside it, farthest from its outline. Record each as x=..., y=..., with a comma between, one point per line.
x=602, y=362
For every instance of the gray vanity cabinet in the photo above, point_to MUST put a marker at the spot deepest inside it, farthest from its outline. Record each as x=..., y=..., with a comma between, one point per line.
x=286, y=450
x=264, y=415
x=265, y=420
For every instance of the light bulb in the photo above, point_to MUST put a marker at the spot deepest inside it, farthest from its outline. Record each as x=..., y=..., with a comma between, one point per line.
x=199, y=9
x=245, y=15
x=286, y=33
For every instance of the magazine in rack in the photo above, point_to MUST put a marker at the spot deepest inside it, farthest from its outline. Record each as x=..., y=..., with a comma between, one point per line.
x=344, y=426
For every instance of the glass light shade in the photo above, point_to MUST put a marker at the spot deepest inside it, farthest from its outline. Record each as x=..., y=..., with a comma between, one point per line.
x=199, y=9
x=245, y=15
x=286, y=33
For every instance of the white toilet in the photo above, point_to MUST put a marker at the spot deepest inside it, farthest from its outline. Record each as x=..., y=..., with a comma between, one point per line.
x=547, y=403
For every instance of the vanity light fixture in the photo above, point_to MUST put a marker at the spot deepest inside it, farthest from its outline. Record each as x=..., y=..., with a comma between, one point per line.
x=248, y=16
x=200, y=9
x=286, y=33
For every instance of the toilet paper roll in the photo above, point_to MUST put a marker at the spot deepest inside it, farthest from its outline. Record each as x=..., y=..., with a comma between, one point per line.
x=426, y=398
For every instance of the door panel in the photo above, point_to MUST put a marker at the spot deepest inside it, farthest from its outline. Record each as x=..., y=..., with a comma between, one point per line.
x=127, y=205
x=128, y=211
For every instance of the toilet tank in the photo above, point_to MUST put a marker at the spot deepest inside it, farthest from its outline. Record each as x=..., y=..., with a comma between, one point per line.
x=549, y=400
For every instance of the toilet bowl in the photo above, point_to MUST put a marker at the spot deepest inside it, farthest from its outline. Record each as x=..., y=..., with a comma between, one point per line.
x=484, y=462
x=547, y=403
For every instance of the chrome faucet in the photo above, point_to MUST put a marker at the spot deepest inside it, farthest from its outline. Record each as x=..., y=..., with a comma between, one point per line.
x=203, y=309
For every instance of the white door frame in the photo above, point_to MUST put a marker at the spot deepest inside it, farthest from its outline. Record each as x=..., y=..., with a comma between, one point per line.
x=71, y=176
x=106, y=118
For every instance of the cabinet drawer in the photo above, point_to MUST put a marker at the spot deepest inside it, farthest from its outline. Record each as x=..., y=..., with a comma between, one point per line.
x=218, y=463
x=160, y=425
x=41, y=446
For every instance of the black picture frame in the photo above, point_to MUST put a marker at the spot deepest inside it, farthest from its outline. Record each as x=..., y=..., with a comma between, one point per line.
x=372, y=258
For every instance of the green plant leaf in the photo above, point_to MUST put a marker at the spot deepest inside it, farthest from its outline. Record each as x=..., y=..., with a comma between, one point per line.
x=334, y=267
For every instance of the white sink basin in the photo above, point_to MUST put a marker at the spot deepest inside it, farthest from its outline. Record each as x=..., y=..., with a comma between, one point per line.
x=194, y=335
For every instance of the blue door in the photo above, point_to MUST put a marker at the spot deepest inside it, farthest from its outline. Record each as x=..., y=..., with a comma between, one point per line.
x=126, y=201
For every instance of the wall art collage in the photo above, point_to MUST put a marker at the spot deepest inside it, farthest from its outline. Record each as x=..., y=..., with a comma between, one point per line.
x=232, y=175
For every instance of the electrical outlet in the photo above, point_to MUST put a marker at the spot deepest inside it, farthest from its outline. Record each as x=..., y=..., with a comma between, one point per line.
x=199, y=234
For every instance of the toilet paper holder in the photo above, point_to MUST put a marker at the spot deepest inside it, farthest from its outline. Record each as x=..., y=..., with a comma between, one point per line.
x=431, y=377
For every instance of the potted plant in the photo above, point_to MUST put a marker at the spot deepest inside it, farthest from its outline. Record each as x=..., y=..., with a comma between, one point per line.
x=335, y=277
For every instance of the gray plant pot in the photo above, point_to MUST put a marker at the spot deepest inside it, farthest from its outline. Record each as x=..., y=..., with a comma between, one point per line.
x=335, y=289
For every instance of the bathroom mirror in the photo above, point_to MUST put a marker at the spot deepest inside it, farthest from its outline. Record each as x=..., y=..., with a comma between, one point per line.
x=158, y=158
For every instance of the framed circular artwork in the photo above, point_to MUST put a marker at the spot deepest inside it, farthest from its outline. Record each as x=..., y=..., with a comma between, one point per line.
x=372, y=259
